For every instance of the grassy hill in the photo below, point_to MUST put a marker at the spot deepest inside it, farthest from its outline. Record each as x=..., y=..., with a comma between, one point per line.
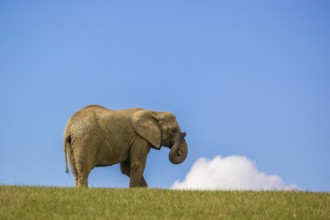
x=95, y=203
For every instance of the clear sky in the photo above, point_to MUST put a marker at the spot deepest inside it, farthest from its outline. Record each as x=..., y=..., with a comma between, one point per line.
x=244, y=78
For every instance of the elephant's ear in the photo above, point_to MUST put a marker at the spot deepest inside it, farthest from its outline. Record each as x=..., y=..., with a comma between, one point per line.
x=146, y=125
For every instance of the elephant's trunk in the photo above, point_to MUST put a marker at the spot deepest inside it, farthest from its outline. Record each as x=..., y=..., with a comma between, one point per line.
x=179, y=150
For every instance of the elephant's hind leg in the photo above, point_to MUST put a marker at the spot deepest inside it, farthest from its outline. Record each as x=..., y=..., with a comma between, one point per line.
x=74, y=172
x=82, y=175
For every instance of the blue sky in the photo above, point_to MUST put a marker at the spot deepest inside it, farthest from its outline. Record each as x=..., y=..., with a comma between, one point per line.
x=246, y=78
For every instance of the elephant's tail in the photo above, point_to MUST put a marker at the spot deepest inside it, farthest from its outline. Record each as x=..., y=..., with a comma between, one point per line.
x=69, y=151
x=67, y=144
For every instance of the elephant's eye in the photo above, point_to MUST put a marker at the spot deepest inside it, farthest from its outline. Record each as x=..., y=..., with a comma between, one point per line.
x=173, y=130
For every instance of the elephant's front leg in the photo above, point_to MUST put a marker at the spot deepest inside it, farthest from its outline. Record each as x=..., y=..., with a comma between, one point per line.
x=138, y=159
x=126, y=169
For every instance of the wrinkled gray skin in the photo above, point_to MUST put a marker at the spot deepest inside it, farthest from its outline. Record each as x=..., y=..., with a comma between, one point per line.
x=96, y=136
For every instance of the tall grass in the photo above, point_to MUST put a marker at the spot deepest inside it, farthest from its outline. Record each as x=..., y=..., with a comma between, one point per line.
x=97, y=203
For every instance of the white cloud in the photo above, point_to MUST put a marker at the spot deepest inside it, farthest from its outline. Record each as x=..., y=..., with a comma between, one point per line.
x=229, y=173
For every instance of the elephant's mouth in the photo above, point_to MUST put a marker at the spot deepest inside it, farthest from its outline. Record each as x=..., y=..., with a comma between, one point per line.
x=179, y=150
x=178, y=141
x=171, y=144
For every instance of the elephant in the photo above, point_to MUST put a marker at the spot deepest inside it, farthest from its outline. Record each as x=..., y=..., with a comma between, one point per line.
x=96, y=136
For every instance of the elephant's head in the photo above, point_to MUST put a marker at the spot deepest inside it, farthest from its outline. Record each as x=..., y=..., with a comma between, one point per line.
x=161, y=129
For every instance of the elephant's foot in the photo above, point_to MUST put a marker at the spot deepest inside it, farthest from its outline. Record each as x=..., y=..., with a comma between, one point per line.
x=82, y=182
x=143, y=183
x=135, y=184
x=82, y=176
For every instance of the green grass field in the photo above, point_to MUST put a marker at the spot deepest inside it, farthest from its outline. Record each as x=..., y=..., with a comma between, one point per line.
x=96, y=203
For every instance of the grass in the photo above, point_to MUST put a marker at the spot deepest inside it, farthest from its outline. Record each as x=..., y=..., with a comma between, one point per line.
x=96, y=203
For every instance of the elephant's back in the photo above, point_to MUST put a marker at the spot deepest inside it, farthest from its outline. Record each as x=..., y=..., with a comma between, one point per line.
x=89, y=107
x=95, y=117
x=87, y=118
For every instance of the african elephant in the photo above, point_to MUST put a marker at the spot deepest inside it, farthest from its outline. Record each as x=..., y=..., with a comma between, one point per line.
x=96, y=136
